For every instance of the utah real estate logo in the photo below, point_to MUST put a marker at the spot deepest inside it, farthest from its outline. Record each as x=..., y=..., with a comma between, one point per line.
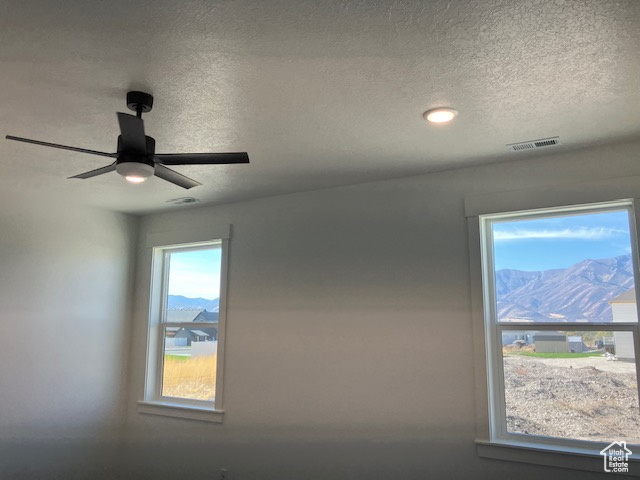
x=616, y=457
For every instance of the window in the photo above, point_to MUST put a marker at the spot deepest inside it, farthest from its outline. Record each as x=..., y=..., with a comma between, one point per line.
x=186, y=331
x=561, y=326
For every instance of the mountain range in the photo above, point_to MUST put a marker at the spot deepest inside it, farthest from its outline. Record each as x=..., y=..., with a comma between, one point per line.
x=178, y=302
x=579, y=293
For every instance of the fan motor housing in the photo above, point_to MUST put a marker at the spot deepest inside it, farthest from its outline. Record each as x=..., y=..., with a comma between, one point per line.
x=151, y=145
x=128, y=158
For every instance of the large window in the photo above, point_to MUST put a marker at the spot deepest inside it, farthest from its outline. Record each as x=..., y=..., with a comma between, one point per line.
x=561, y=326
x=186, y=330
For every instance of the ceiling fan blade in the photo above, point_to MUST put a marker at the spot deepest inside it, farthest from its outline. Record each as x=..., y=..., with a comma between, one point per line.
x=174, y=177
x=96, y=172
x=63, y=147
x=202, y=158
x=132, y=131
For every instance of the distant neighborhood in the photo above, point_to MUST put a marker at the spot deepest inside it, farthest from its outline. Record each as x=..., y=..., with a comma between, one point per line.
x=191, y=310
x=620, y=344
x=186, y=335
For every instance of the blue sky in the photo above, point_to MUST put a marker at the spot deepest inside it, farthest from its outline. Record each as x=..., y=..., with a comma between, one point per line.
x=195, y=274
x=559, y=242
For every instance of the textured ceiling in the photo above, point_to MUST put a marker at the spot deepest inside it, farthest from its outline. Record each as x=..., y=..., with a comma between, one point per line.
x=319, y=93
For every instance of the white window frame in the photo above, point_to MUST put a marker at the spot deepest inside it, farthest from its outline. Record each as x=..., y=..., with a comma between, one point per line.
x=493, y=441
x=160, y=246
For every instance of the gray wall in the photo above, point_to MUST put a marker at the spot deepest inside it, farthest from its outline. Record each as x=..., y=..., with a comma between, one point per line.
x=349, y=338
x=64, y=275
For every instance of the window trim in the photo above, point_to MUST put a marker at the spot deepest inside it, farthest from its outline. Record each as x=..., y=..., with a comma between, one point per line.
x=489, y=443
x=158, y=246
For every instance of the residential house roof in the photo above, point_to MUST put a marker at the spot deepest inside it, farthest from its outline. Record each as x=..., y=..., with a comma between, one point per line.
x=183, y=315
x=191, y=315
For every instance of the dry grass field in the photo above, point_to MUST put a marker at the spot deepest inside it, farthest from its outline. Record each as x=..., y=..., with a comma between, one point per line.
x=186, y=377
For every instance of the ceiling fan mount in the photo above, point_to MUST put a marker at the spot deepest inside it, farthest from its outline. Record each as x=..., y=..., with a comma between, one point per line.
x=135, y=156
x=139, y=102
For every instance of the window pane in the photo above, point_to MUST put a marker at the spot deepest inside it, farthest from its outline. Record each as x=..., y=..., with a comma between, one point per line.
x=571, y=384
x=193, y=297
x=189, y=367
x=193, y=280
x=564, y=268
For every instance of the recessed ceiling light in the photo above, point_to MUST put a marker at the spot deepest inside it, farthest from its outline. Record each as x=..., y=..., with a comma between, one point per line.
x=440, y=115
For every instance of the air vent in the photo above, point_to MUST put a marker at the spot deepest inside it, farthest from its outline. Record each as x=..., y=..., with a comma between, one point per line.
x=182, y=200
x=530, y=145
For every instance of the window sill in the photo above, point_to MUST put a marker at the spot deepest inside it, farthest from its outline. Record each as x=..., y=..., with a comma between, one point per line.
x=573, y=458
x=180, y=411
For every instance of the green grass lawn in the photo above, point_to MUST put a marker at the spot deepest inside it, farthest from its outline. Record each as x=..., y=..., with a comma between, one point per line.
x=557, y=355
x=179, y=358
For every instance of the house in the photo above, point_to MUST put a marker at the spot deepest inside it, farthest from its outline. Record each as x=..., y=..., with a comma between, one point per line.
x=191, y=315
x=204, y=335
x=575, y=344
x=550, y=342
x=520, y=338
x=182, y=315
x=353, y=337
x=190, y=334
x=546, y=341
x=624, y=309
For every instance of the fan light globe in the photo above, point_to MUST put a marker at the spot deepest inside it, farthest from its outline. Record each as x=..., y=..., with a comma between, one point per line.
x=440, y=115
x=135, y=172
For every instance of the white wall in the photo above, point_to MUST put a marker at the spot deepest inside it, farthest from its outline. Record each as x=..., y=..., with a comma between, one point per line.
x=349, y=340
x=64, y=329
x=624, y=312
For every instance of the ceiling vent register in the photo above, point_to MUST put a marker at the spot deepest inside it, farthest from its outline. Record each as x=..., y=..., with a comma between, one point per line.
x=182, y=200
x=532, y=144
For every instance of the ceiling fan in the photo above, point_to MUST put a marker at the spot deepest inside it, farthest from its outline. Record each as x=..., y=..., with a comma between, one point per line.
x=136, y=159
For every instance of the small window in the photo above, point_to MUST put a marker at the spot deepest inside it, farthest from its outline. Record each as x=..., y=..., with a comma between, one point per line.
x=186, y=326
x=561, y=326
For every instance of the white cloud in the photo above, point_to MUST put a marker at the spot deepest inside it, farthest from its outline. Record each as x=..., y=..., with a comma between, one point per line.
x=581, y=233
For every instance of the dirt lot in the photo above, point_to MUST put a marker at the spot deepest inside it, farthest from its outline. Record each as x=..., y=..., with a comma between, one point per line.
x=585, y=398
